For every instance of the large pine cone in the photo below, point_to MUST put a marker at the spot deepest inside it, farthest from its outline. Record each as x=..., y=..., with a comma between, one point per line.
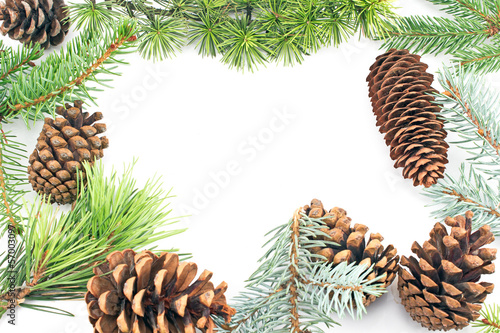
x=441, y=289
x=399, y=87
x=62, y=146
x=353, y=246
x=38, y=21
x=147, y=293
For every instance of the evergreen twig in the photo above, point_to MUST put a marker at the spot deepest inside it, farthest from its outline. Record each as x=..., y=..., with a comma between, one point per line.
x=247, y=33
x=471, y=35
x=55, y=256
x=471, y=109
x=490, y=321
x=294, y=290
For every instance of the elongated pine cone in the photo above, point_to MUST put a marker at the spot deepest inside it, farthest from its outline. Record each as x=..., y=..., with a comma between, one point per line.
x=146, y=293
x=38, y=21
x=63, y=144
x=399, y=87
x=353, y=247
x=441, y=289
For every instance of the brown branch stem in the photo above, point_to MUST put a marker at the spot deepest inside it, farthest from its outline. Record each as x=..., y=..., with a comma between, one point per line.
x=462, y=198
x=16, y=67
x=79, y=80
x=490, y=323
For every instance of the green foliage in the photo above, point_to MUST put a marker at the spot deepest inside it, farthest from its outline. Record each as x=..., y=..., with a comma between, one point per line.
x=294, y=290
x=471, y=109
x=61, y=76
x=247, y=33
x=471, y=35
x=55, y=256
x=490, y=321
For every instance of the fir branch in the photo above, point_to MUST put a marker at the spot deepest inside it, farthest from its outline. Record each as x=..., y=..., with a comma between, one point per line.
x=55, y=256
x=290, y=291
x=490, y=323
x=82, y=58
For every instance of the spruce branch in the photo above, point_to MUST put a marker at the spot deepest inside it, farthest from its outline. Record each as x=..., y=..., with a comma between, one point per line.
x=82, y=59
x=471, y=109
x=14, y=61
x=55, y=256
x=470, y=35
x=469, y=191
x=294, y=290
x=490, y=321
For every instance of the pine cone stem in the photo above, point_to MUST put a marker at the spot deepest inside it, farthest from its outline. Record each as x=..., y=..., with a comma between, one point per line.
x=109, y=51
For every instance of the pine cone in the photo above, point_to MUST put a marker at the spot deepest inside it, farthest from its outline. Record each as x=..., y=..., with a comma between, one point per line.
x=147, y=293
x=62, y=146
x=38, y=21
x=441, y=289
x=353, y=247
x=399, y=87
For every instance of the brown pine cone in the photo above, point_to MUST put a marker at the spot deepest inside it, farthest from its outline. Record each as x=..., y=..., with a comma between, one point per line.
x=441, y=289
x=399, y=87
x=38, y=21
x=62, y=146
x=146, y=293
x=352, y=246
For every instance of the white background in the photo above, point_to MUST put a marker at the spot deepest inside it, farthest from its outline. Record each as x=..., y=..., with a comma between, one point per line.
x=188, y=118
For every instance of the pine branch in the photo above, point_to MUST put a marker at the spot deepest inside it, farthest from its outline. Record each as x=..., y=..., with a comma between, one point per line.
x=246, y=33
x=55, y=256
x=490, y=323
x=12, y=174
x=469, y=9
x=83, y=59
x=292, y=289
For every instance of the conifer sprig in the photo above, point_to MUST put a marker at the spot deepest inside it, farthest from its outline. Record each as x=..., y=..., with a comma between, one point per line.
x=246, y=33
x=54, y=258
x=294, y=290
x=471, y=109
x=82, y=59
x=490, y=321
x=471, y=35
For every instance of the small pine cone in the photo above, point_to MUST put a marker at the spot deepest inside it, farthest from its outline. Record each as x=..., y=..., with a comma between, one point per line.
x=399, y=87
x=145, y=293
x=353, y=247
x=38, y=21
x=63, y=144
x=441, y=289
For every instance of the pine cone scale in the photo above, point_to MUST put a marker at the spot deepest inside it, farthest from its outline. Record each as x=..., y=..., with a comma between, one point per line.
x=44, y=22
x=149, y=293
x=440, y=290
